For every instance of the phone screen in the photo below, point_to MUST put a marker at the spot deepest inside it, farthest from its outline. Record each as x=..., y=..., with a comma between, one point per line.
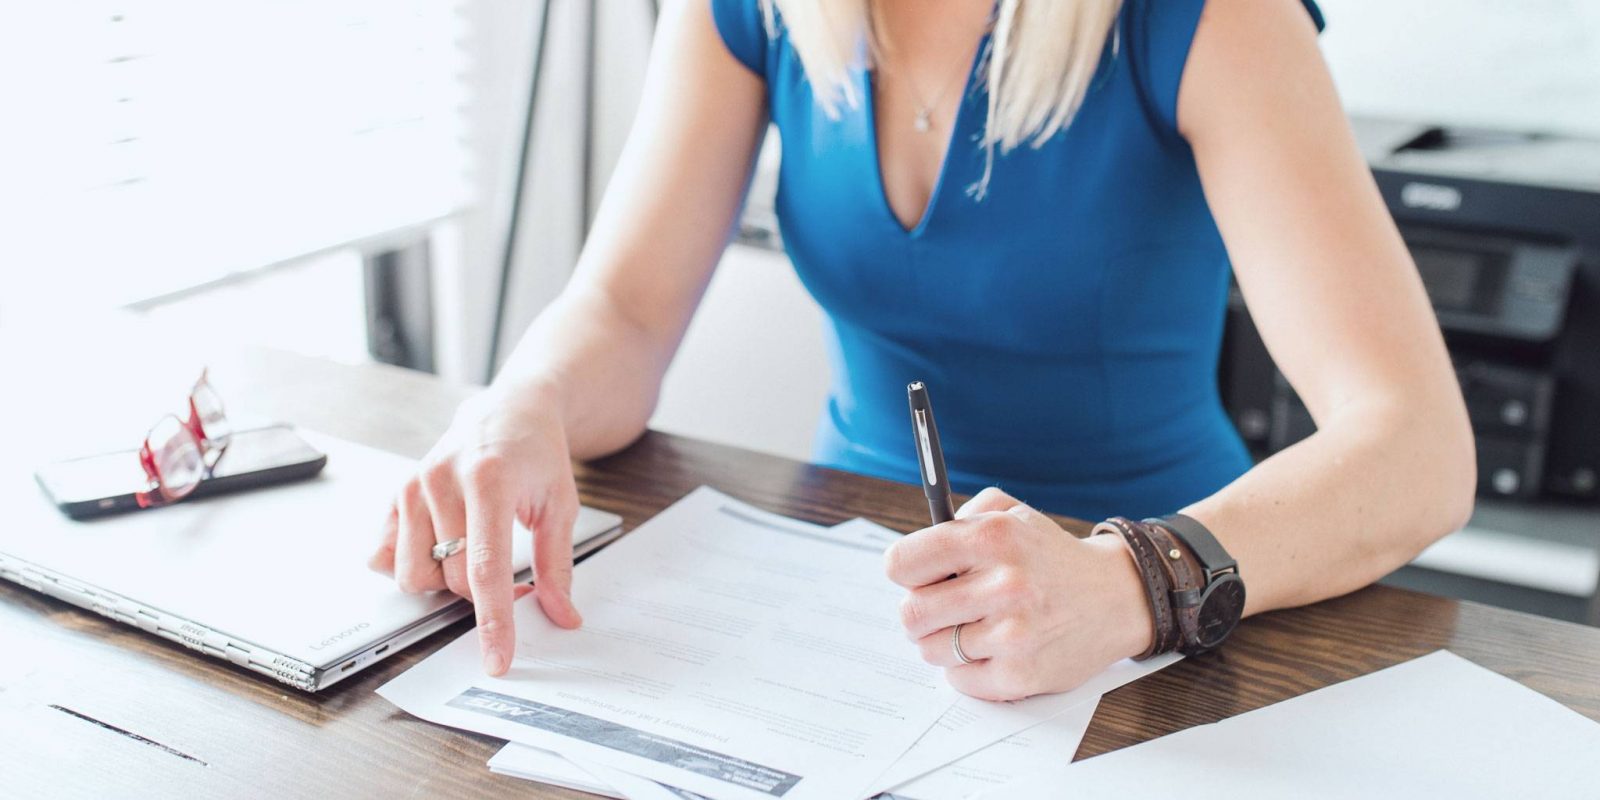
x=83, y=480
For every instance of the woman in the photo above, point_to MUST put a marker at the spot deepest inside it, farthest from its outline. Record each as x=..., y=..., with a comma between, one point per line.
x=1048, y=245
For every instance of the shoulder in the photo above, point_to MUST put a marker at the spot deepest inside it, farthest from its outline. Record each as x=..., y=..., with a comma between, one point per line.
x=1171, y=24
x=1251, y=59
x=1158, y=36
x=745, y=30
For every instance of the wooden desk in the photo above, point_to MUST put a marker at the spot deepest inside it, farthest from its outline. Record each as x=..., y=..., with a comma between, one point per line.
x=222, y=731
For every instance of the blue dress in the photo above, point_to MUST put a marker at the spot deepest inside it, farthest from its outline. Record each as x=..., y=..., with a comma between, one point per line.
x=1067, y=324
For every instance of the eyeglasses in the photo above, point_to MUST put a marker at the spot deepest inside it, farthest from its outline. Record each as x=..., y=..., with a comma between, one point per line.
x=180, y=453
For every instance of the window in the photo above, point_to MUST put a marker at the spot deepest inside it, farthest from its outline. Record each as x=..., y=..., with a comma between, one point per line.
x=156, y=145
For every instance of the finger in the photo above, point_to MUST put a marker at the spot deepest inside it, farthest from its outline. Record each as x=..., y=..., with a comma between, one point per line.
x=489, y=516
x=520, y=591
x=415, y=571
x=442, y=488
x=938, y=648
x=552, y=556
x=933, y=554
x=382, y=560
x=965, y=598
x=990, y=499
x=988, y=680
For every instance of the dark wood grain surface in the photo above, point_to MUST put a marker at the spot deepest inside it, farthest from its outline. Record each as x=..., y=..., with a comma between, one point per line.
x=91, y=708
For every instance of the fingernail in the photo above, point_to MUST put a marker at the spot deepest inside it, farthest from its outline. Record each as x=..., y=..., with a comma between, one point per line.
x=494, y=662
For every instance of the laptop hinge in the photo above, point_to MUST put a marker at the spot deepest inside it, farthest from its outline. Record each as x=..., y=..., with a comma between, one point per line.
x=292, y=671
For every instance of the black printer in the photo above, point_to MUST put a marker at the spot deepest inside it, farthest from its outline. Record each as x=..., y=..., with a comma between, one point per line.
x=1505, y=230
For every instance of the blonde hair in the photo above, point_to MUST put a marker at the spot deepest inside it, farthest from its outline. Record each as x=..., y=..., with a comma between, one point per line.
x=1042, y=56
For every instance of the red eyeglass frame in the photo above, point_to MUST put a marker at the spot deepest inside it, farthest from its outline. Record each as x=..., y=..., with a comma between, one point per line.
x=210, y=446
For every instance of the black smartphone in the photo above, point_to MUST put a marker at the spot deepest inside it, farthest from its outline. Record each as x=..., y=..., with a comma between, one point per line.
x=103, y=484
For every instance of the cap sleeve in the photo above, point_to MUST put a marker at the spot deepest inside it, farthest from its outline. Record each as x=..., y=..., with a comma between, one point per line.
x=743, y=31
x=1158, y=34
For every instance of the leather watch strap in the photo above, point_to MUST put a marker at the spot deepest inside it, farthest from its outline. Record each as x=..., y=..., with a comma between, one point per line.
x=1156, y=582
x=1200, y=541
x=1187, y=577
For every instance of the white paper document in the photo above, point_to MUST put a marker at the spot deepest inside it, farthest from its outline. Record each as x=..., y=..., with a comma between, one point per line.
x=1436, y=726
x=973, y=724
x=727, y=651
x=633, y=787
x=1042, y=747
x=989, y=743
x=1048, y=745
x=532, y=764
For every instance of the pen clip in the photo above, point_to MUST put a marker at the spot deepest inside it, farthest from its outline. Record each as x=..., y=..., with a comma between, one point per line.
x=926, y=448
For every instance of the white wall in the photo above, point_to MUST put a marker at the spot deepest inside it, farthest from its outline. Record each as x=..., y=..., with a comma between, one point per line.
x=752, y=371
x=1527, y=64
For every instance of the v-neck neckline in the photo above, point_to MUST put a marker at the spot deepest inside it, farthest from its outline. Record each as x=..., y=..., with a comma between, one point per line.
x=956, y=126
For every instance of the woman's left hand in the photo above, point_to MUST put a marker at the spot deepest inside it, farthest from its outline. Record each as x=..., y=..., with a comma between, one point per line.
x=1042, y=610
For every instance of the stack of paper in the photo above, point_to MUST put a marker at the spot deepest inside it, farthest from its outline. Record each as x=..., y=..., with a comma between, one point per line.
x=1039, y=748
x=732, y=653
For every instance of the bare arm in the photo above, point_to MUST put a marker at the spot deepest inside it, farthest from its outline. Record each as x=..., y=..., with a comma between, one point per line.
x=1339, y=303
x=599, y=351
x=584, y=379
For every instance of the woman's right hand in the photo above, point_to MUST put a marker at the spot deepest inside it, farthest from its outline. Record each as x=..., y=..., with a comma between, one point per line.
x=504, y=459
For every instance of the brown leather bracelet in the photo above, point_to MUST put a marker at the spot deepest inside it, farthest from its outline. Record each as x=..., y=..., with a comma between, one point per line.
x=1187, y=579
x=1158, y=590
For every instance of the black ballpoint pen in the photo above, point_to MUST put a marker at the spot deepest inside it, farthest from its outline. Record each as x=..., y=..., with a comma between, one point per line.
x=935, y=481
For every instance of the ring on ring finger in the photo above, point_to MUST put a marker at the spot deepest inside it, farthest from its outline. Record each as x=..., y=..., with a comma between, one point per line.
x=444, y=550
x=955, y=644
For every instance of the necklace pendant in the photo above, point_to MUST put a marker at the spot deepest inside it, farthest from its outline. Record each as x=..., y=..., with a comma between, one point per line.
x=922, y=123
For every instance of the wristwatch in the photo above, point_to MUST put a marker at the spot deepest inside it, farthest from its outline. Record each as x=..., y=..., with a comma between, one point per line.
x=1207, y=592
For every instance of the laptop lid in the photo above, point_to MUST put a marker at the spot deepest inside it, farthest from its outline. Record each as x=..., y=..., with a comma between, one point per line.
x=281, y=569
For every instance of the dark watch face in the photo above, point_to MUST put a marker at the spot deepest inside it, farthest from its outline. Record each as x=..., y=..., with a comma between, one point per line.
x=1220, y=610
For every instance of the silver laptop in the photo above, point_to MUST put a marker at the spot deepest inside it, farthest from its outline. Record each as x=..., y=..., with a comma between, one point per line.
x=273, y=580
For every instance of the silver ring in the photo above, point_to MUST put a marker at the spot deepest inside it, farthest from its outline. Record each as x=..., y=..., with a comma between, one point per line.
x=444, y=550
x=955, y=643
